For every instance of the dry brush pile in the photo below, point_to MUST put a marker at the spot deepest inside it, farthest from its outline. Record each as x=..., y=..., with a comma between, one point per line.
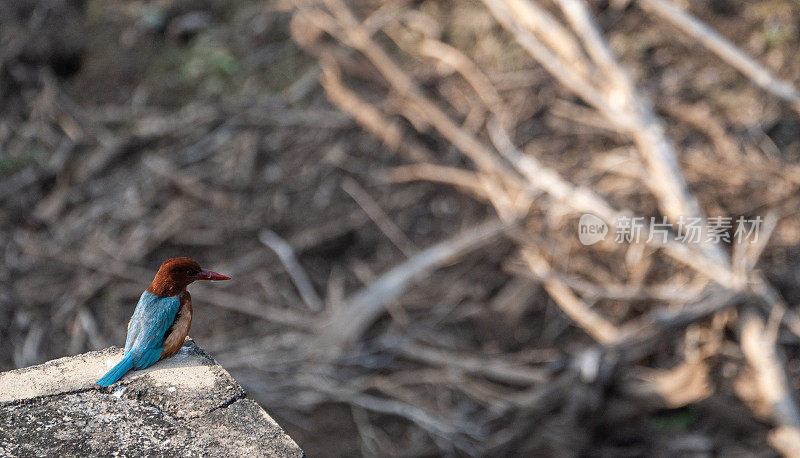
x=494, y=333
x=392, y=62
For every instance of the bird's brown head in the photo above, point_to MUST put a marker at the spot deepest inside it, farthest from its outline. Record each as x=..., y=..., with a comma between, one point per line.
x=175, y=274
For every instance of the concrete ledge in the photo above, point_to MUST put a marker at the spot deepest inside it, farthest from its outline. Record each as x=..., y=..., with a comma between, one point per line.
x=187, y=405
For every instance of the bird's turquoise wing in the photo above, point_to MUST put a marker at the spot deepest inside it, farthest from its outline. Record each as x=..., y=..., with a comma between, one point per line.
x=152, y=318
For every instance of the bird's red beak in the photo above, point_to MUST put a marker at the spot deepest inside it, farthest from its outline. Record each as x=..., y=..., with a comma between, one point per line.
x=209, y=275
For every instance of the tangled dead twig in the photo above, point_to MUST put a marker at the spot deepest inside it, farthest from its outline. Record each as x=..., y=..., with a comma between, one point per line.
x=584, y=63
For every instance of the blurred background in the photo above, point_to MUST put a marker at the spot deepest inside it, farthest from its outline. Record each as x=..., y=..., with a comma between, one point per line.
x=396, y=189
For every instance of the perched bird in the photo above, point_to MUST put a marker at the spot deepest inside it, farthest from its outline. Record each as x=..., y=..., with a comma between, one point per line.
x=162, y=318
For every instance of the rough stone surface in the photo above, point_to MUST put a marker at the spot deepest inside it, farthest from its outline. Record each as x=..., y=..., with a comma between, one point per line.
x=183, y=406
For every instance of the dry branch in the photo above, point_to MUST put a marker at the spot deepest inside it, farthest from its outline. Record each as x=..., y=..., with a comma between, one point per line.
x=349, y=320
x=298, y=275
x=368, y=116
x=497, y=369
x=469, y=181
x=636, y=118
x=726, y=50
x=764, y=357
x=589, y=320
x=379, y=217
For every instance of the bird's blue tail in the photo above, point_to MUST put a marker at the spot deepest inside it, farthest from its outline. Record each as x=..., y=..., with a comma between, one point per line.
x=117, y=371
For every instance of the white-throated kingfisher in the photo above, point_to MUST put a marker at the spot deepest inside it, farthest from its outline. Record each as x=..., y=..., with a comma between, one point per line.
x=162, y=318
